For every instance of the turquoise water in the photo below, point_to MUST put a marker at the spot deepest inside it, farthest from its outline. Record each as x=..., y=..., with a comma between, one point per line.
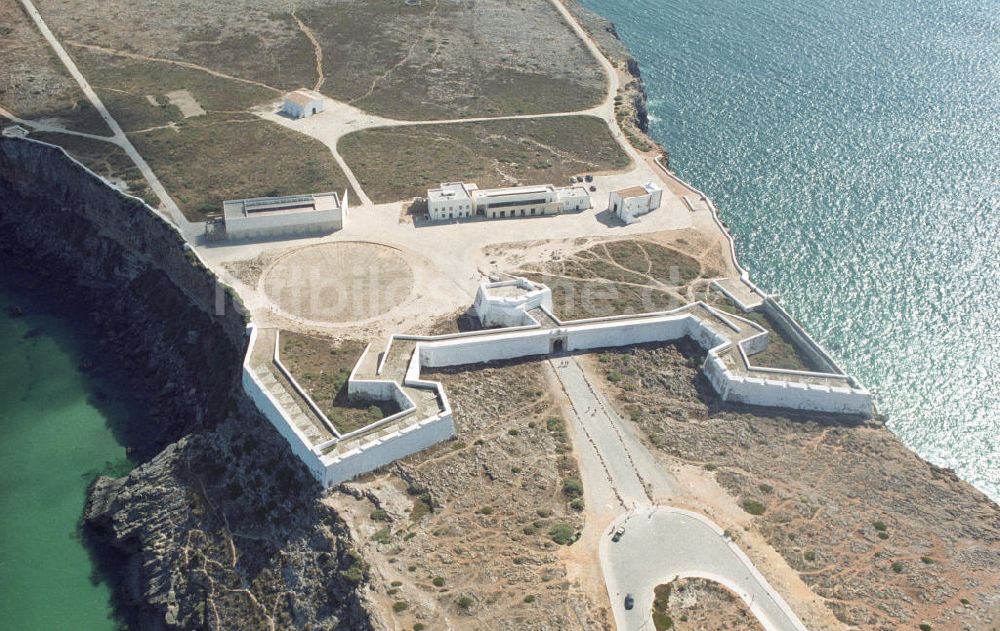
x=56, y=433
x=854, y=150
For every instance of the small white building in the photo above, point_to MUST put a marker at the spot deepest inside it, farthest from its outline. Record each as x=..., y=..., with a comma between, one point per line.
x=294, y=215
x=458, y=200
x=628, y=203
x=451, y=200
x=302, y=103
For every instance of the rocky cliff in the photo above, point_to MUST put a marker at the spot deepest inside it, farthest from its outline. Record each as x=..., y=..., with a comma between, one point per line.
x=219, y=527
x=630, y=102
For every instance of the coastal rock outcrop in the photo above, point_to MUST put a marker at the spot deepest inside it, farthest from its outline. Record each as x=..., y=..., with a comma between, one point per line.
x=631, y=107
x=220, y=527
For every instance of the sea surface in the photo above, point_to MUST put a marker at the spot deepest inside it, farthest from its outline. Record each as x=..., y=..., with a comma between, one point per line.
x=853, y=148
x=59, y=428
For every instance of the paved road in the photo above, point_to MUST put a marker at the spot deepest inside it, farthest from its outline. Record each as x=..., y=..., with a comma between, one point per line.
x=622, y=477
x=662, y=543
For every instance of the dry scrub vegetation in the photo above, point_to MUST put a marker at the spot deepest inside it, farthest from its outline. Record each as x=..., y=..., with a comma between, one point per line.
x=321, y=366
x=471, y=533
x=416, y=60
x=33, y=82
x=617, y=277
x=697, y=604
x=888, y=540
x=403, y=162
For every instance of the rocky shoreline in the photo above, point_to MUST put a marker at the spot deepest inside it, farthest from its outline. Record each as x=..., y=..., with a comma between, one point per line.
x=215, y=528
x=631, y=110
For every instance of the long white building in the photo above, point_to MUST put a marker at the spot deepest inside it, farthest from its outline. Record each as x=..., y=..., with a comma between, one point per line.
x=295, y=215
x=459, y=200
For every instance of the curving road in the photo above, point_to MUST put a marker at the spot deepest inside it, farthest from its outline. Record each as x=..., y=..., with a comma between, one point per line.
x=663, y=543
x=660, y=543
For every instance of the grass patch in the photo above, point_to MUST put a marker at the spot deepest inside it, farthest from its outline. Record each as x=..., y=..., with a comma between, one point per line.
x=322, y=366
x=401, y=163
x=661, y=601
x=562, y=533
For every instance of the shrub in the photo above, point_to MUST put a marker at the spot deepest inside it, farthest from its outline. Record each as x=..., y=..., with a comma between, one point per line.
x=396, y=583
x=897, y=567
x=375, y=412
x=399, y=605
x=964, y=601
x=879, y=526
x=379, y=515
x=810, y=555
x=710, y=467
x=572, y=488
x=438, y=581
x=883, y=535
x=924, y=626
x=382, y=536
x=562, y=533
x=486, y=510
x=614, y=376
x=419, y=627
x=927, y=560
x=529, y=530
x=515, y=469
x=753, y=507
x=765, y=488
x=513, y=432
x=577, y=505
x=530, y=598
x=464, y=602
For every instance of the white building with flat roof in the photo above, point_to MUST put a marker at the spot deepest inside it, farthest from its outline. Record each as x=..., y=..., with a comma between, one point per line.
x=628, y=203
x=452, y=200
x=293, y=215
x=302, y=103
x=458, y=200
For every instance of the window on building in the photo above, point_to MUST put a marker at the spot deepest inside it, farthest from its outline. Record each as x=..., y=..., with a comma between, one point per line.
x=503, y=213
x=532, y=211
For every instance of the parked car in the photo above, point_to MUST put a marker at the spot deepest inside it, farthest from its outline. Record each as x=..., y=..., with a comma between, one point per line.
x=618, y=534
x=629, y=601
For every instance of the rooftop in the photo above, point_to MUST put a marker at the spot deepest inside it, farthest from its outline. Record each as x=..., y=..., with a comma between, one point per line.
x=516, y=190
x=303, y=96
x=260, y=206
x=449, y=191
x=633, y=191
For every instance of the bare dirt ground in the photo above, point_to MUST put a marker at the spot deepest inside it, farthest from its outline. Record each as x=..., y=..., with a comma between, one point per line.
x=465, y=534
x=33, y=83
x=687, y=604
x=338, y=282
x=616, y=277
x=885, y=539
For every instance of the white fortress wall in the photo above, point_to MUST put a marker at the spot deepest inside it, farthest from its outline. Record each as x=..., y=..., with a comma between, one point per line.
x=377, y=452
x=271, y=410
x=626, y=333
x=474, y=350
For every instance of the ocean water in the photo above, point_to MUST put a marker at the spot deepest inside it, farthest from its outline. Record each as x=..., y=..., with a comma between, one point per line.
x=854, y=150
x=58, y=430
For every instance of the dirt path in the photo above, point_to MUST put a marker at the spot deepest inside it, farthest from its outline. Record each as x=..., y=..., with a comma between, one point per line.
x=317, y=50
x=172, y=211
